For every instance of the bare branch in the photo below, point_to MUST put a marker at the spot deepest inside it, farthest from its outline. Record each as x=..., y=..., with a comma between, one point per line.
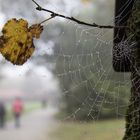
x=53, y=15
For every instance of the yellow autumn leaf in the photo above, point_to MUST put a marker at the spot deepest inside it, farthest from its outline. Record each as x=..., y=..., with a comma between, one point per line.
x=36, y=30
x=16, y=44
x=85, y=1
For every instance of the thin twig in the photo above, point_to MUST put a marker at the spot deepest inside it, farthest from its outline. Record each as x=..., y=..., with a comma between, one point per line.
x=46, y=20
x=53, y=15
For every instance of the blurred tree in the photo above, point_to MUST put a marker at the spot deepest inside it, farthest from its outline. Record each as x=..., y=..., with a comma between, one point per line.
x=133, y=112
x=77, y=65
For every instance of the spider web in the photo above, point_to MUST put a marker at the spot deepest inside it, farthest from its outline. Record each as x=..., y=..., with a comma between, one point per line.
x=87, y=62
x=97, y=69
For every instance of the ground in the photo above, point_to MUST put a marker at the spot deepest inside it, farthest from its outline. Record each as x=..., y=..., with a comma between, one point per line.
x=99, y=130
x=41, y=125
x=35, y=126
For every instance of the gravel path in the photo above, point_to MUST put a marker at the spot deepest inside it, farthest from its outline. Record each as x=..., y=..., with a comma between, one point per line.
x=34, y=126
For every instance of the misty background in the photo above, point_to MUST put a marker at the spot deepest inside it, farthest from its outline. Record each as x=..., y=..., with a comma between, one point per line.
x=72, y=65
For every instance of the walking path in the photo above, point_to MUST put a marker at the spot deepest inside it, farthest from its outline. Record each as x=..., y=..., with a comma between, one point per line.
x=34, y=126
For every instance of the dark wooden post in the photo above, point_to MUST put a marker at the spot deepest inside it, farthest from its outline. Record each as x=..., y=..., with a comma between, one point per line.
x=123, y=8
x=121, y=63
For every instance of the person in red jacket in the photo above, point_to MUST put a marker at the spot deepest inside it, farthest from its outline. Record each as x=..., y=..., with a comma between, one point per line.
x=17, y=110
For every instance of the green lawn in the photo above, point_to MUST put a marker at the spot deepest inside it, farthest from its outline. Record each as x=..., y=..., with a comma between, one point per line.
x=28, y=107
x=102, y=130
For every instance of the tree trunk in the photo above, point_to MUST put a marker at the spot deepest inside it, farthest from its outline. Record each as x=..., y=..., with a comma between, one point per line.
x=133, y=111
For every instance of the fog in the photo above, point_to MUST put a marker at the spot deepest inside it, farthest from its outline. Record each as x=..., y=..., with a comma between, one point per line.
x=30, y=81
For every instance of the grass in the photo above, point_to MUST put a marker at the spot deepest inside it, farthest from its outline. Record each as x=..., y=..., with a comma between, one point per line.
x=28, y=107
x=102, y=130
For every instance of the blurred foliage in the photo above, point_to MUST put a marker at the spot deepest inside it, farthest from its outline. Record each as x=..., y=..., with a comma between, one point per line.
x=91, y=89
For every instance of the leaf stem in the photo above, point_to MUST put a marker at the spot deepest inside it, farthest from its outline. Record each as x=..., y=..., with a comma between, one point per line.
x=53, y=15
